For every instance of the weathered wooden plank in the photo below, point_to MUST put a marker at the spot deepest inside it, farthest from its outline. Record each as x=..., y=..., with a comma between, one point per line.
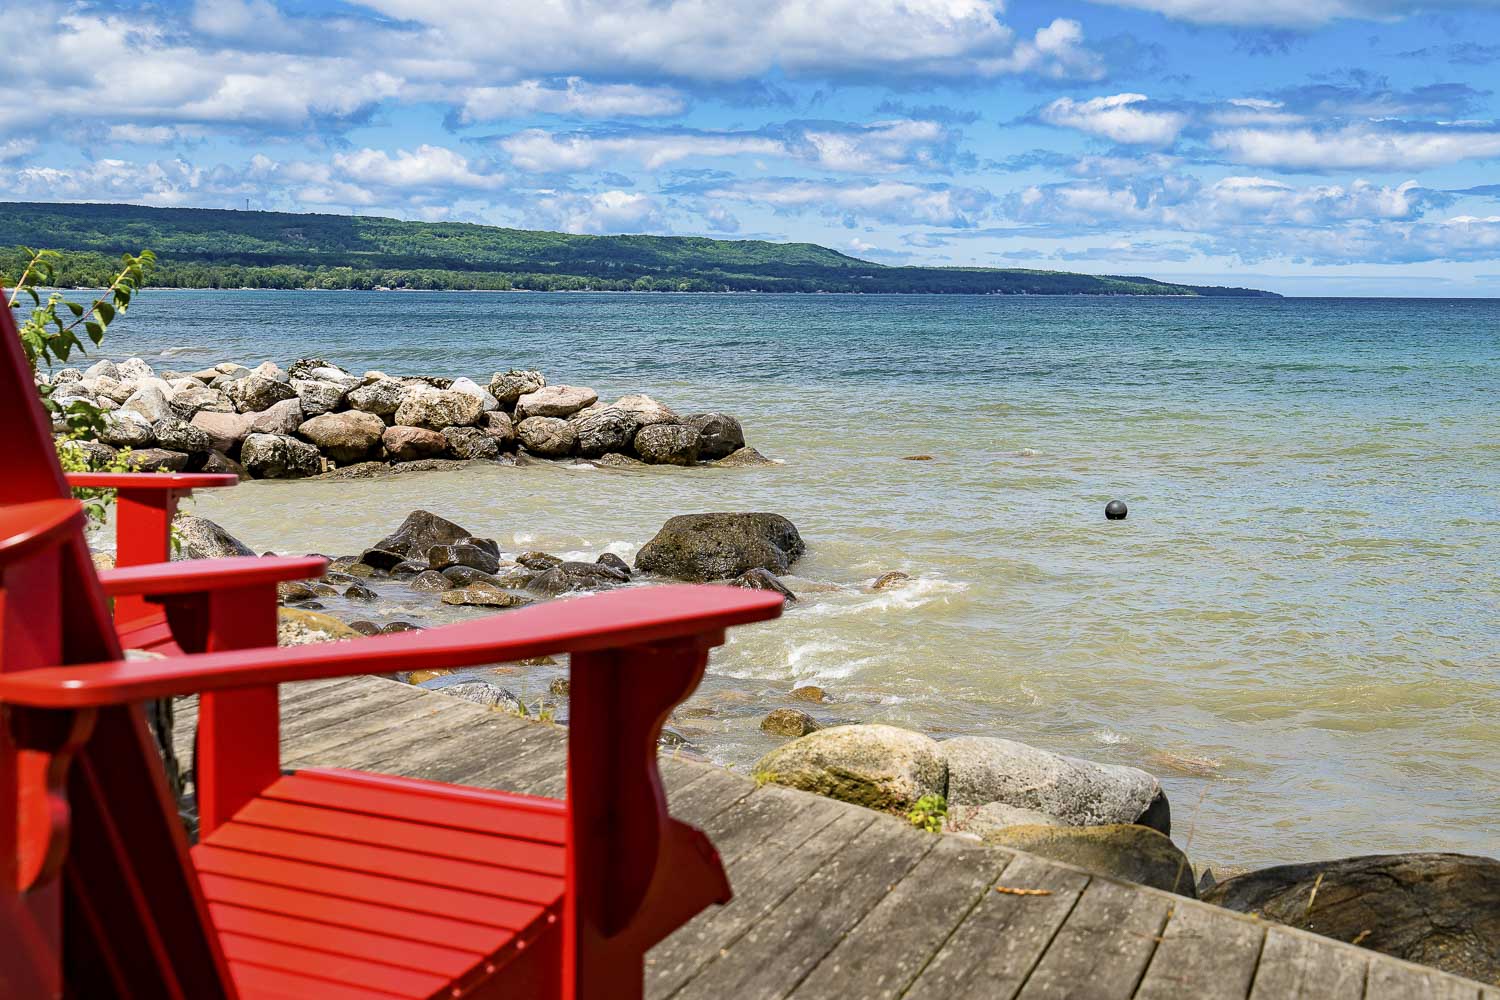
x=465, y=749
x=1102, y=949
x=1395, y=980
x=1301, y=967
x=761, y=879
x=770, y=819
x=341, y=707
x=718, y=791
x=997, y=945
x=1205, y=952
x=884, y=952
x=777, y=954
x=342, y=745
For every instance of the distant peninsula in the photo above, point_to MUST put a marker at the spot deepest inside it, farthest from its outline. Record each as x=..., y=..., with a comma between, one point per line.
x=215, y=248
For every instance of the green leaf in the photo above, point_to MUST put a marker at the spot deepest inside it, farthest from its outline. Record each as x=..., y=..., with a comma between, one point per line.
x=95, y=331
x=75, y=309
x=105, y=312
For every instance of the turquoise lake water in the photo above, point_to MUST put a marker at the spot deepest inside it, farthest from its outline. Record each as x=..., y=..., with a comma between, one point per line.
x=1297, y=628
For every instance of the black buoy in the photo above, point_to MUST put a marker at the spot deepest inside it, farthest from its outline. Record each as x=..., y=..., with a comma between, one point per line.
x=1116, y=510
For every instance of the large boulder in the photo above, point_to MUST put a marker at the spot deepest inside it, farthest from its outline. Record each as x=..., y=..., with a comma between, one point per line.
x=469, y=387
x=424, y=406
x=700, y=547
x=1125, y=851
x=184, y=437
x=507, y=387
x=318, y=397
x=555, y=401
x=381, y=397
x=255, y=393
x=126, y=430
x=278, y=456
x=719, y=434
x=157, y=460
x=205, y=539
x=604, y=430
x=1079, y=792
x=283, y=417
x=134, y=369
x=667, y=444
x=103, y=369
x=979, y=821
x=549, y=437
x=881, y=767
x=225, y=430
x=150, y=402
x=421, y=531
x=499, y=426
x=646, y=410
x=408, y=444
x=1441, y=910
x=344, y=437
x=471, y=443
x=190, y=400
x=441, y=557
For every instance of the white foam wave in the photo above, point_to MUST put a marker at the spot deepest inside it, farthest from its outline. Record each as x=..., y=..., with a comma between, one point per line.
x=1108, y=737
x=172, y=352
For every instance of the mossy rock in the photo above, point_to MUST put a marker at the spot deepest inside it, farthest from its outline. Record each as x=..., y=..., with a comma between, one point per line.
x=1133, y=853
x=880, y=767
x=296, y=627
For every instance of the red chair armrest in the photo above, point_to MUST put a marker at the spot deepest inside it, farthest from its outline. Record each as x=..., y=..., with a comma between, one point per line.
x=26, y=528
x=150, y=480
x=203, y=575
x=631, y=617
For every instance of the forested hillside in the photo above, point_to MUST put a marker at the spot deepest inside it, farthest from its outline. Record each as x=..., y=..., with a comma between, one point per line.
x=212, y=248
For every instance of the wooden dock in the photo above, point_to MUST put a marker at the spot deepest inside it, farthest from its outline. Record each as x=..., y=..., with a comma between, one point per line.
x=836, y=901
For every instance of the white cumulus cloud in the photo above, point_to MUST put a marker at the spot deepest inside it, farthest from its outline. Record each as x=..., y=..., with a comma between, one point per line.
x=575, y=98
x=1118, y=117
x=1357, y=146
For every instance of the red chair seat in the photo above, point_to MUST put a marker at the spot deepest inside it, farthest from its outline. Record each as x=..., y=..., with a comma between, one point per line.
x=338, y=884
x=151, y=634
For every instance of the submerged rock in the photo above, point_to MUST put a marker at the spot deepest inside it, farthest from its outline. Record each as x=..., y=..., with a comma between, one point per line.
x=744, y=458
x=809, y=692
x=983, y=769
x=614, y=562
x=1441, y=910
x=788, y=722
x=878, y=766
x=421, y=531
x=485, y=693
x=701, y=547
x=570, y=576
x=430, y=581
x=886, y=581
x=484, y=595
x=440, y=557
x=1126, y=851
x=762, y=579
x=203, y=539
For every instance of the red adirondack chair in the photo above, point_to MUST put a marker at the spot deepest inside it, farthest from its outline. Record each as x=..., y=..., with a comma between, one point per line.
x=322, y=883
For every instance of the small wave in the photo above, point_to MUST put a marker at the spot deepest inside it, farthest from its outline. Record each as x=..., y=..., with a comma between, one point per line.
x=172, y=352
x=1108, y=737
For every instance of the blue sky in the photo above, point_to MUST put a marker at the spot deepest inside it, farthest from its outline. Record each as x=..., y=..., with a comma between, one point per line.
x=1308, y=146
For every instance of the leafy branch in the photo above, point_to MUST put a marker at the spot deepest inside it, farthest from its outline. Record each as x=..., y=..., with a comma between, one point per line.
x=47, y=335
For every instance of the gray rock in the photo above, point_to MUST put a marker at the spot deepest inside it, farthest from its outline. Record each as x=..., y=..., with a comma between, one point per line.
x=226, y=431
x=1125, y=851
x=719, y=434
x=412, y=444
x=700, y=547
x=667, y=444
x=381, y=558
x=646, y=411
x=606, y=429
x=881, y=767
x=157, y=460
x=359, y=592
x=434, y=409
x=507, y=387
x=471, y=443
x=187, y=402
x=421, y=531
x=615, y=460
x=1441, y=910
x=203, y=539
x=500, y=427
x=488, y=544
x=150, y=402
x=484, y=595
x=344, y=437
x=614, y=562
x=980, y=821
x=126, y=430
x=318, y=397
x=464, y=576
x=440, y=557
x=887, y=581
x=134, y=368
x=217, y=461
x=430, y=581
x=788, y=722
x=485, y=693
x=469, y=387
x=762, y=579
x=256, y=393
x=282, y=417
x=277, y=456
x=744, y=458
x=104, y=369
x=547, y=436
x=554, y=401
x=538, y=561
x=1079, y=792
x=407, y=568
x=382, y=397
x=567, y=577
x=178, y=436
x=270, y=371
